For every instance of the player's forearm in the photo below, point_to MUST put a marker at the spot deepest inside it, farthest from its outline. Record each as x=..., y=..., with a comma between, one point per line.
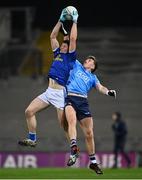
x=55, y=30
x=103, y=90
x=73, y=34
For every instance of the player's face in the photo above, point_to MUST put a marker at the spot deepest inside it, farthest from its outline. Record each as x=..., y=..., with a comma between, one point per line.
x=114, y=117
x=64, y=48
x=89, y=64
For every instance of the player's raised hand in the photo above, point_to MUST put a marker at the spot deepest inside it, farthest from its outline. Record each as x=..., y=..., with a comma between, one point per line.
x=62, y=16
x=75, y=17
x=112, y=93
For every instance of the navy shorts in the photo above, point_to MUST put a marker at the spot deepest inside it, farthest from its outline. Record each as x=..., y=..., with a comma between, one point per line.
x=80, y=105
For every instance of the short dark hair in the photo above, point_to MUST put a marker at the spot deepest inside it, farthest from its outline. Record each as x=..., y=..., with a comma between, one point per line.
x=95, y=62
x=67, y=42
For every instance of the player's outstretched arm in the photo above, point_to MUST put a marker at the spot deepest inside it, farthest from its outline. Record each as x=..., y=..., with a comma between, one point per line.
x=73, y=34
x=55, y=31
x=102, y=89
x=73, y=37
x=54, y=34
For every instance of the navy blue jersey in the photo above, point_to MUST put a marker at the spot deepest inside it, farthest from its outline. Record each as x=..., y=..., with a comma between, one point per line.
x=61, y=66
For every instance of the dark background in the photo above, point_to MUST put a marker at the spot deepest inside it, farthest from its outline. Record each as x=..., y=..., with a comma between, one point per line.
x=98, y=13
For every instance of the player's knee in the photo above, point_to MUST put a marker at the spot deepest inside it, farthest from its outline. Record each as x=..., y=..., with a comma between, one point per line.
x=89, y=134
x=29, y=113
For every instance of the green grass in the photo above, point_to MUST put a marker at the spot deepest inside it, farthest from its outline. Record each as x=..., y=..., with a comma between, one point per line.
x=69, y=173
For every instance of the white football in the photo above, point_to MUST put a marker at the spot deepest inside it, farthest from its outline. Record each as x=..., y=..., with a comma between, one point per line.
x=70, y=11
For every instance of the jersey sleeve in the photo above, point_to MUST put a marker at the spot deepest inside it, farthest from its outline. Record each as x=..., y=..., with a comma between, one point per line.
x=56, y=52
x=73, y=55
x=96, y=81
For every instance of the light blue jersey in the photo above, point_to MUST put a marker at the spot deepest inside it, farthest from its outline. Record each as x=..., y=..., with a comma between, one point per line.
x=80, y=80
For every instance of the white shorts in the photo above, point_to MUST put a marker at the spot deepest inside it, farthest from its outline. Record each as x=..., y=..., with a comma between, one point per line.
x=55, y=97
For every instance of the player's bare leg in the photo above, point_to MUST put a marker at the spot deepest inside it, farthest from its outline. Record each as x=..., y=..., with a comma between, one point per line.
x=87, y=127
x=71, y=119
x=35, y=106
x=63, y=122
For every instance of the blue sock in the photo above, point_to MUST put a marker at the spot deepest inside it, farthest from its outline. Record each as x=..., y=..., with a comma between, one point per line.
x=32, y=136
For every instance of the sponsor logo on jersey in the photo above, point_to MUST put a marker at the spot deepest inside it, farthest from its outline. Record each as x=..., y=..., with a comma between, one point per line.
x=58, y=58
x=83, y=76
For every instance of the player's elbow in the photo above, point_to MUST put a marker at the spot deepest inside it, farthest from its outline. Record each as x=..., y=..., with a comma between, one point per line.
x=72, y=39
x=52, y=36
x=99, y=87
x=72, y=45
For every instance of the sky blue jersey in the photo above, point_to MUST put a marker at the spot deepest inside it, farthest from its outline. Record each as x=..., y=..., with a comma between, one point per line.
x=80, y=80
x=61, y=66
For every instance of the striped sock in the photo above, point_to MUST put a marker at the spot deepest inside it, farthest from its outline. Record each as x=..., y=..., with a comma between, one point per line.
x=73, y=146
x=32, y=136
x=92, y=158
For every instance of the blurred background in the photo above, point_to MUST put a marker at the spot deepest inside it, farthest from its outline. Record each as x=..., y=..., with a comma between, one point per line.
x=112, y=31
